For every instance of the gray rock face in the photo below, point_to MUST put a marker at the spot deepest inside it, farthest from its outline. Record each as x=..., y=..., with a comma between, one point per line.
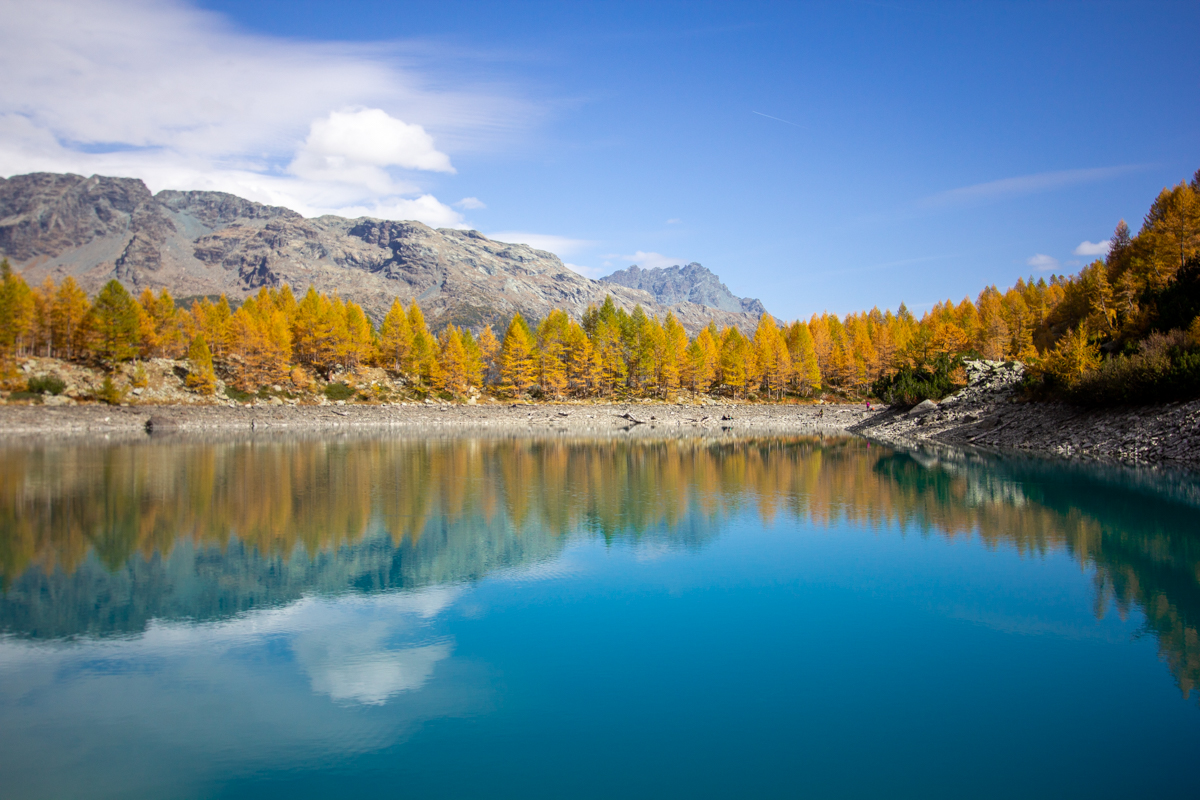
x=690, y=284
x=922, y=408
x=208, y=243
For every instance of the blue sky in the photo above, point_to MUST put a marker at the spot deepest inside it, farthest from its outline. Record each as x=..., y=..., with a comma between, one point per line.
x=815, y=155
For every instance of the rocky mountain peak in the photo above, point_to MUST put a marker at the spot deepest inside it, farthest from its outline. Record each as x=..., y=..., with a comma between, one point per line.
x=207, y=243
x=692, y=283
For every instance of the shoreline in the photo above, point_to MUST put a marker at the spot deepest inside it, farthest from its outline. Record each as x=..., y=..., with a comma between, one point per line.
x=988, y=420
x=990, y=413
x=135, y=421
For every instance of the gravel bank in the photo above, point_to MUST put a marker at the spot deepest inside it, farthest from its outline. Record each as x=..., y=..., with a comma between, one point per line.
x=25, y=422
x=988, y=413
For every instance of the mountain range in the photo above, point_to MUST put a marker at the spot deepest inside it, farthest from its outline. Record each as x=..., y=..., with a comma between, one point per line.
x=690, y=284
x=207, y=243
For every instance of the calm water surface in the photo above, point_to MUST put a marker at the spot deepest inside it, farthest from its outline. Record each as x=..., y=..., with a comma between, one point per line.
x=786, y=617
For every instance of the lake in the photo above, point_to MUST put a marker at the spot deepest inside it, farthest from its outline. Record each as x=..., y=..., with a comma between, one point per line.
x=617, y=617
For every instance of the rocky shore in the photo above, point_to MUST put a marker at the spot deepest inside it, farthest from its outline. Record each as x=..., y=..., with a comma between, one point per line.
x=25, y=422
x=990, y=413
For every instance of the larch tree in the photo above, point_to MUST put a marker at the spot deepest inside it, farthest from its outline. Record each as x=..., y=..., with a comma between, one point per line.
x=735, y=353
x=395, y=338
x=804, y=358
x=993, y=335
x=551, y=352
x=70, y=309
x=489, y=352
x=453, y=360
x=771, y=355
x=201, y=375
x=675, y=353
x=424, y=350
x=517, y=365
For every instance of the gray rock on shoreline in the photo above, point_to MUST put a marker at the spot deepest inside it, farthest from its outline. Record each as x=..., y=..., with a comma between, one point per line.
x=990, y=412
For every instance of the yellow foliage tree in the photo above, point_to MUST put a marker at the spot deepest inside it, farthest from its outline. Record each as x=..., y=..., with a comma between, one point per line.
x=517, y=364
x=396, y=339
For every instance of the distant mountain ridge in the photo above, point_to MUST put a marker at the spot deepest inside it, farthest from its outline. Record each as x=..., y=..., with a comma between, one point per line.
x=208, y=243
x=688, y=284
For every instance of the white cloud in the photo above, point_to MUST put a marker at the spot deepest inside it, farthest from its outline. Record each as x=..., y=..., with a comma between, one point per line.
x=674, y=221
x=470, y=203
x=559, y=245
x=1024, y=185
x=595, y=273
x=175, y=96
x=1093, y=248
x=1043, y=262
x=355, y=146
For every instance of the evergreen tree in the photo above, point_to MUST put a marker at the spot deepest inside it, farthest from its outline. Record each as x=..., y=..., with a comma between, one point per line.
x=113, y=324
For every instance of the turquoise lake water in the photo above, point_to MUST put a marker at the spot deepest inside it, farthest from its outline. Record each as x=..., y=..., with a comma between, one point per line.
x=775, y=617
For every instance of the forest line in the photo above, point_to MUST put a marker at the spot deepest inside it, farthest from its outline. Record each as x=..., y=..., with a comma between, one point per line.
x=1138, y=302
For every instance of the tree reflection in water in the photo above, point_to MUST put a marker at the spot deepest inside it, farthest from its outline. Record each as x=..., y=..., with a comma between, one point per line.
x=101, y=539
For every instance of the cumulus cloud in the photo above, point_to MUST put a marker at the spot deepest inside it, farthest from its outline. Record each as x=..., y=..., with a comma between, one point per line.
x=1093, y=248
x=470, y=203
x=1043, y=262
x=355, y=146
x=175, y=96
x=559, y=245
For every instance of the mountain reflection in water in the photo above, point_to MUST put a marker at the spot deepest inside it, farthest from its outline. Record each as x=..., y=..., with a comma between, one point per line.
x=100, y=540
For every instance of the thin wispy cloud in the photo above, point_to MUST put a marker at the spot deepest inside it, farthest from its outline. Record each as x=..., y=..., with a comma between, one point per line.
x=886, y=265
x=1024, y=185
x=1093, y=248
x=174, y=95
x=647, y=260
x=777, y=119
x=595, y=273
x=1043, y=262
x=559, y=245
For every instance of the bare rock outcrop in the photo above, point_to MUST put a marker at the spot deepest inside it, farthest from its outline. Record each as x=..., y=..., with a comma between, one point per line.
x=208, y=243
x=687, y=284
x=991, y=412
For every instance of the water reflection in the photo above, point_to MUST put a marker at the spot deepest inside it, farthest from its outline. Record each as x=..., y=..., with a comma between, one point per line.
x=101, y=540
x=176, y=614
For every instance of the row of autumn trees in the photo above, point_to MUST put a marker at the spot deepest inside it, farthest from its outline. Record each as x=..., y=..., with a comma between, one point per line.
x=274, y=337
x=609, y=351
x=264, y=341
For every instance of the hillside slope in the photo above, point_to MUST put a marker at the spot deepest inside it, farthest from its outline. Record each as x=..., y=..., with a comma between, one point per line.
x=207, y=243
